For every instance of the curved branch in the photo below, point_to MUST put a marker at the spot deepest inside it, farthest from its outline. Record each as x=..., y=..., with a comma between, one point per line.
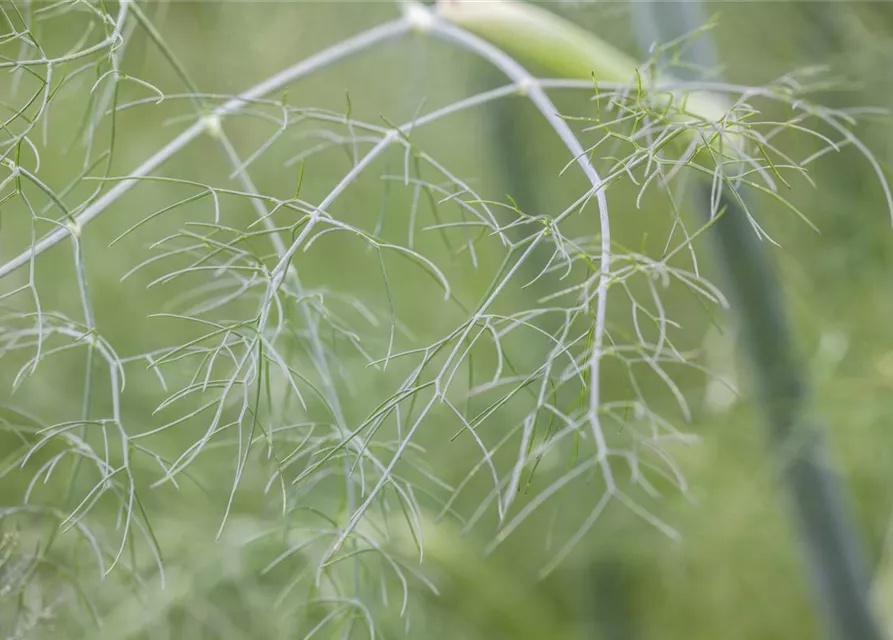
x=518, y=74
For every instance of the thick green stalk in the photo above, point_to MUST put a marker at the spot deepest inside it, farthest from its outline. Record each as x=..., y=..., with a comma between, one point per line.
x=531, y=33
x=826, y=528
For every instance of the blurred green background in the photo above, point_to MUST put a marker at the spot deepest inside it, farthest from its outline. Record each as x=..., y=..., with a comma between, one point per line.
x=735, y=573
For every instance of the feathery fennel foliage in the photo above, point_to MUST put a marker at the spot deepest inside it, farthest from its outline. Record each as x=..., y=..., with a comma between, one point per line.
x=243, y=379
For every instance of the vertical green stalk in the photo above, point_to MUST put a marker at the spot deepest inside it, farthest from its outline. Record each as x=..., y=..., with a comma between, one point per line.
x=504, y=119
x=827, y=531
x=612, y=587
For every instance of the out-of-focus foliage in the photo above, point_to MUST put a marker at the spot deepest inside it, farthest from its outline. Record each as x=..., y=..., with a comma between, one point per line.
x=84, y=558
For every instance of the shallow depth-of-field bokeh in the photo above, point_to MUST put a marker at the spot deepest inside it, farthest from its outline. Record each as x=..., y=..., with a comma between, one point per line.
x=734, y=571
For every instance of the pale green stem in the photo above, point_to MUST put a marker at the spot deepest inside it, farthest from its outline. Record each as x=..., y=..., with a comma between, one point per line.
x=539, y=36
